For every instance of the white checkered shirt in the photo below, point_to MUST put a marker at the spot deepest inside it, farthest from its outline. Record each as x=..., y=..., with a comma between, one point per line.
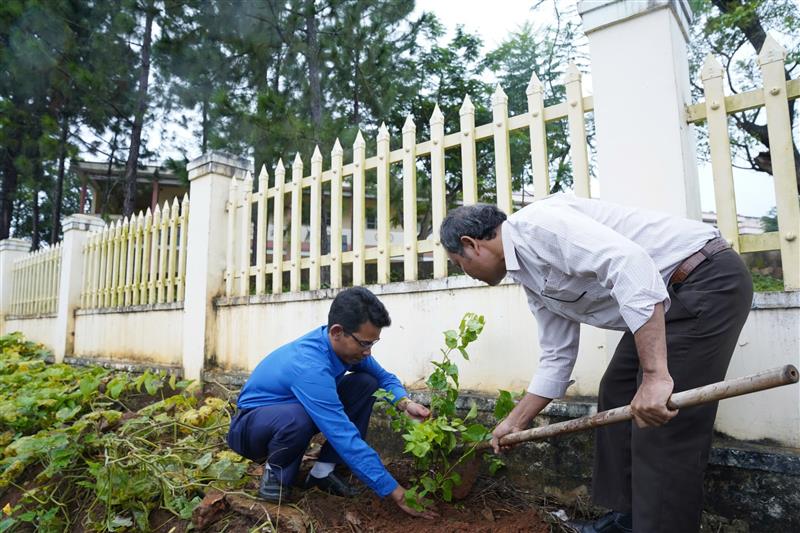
x=593, y=262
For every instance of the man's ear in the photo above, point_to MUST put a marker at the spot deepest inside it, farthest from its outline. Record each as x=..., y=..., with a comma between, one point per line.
x=469, y=243
x=336, y=330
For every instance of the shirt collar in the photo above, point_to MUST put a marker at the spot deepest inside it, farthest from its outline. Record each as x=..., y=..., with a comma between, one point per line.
x=336, y=363
x=509, y=252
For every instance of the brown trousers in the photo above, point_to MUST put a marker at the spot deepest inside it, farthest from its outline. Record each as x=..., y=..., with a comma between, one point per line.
x=657, y=473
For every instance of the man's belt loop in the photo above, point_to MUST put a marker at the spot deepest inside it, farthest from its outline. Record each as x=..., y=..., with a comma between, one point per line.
x=712, y=247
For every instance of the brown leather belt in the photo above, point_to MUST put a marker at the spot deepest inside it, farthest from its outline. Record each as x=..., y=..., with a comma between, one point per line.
x=714, y=246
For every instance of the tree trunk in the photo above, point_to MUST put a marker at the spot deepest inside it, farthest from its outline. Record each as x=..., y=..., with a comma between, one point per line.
x=58, y=193
x=313, y=61
x=356, y=62
x=7, y=191
x=37, y=180
x=128, y=204
x=205, y=123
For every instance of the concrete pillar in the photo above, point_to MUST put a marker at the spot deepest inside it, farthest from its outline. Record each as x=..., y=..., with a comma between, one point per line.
x=76, y=230
x=640, y=82
x=209, y=179
x=10, y=251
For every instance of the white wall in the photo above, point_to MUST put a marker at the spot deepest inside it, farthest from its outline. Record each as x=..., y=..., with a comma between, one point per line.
x=41, y=330
x=770, y=338
x=133, y=337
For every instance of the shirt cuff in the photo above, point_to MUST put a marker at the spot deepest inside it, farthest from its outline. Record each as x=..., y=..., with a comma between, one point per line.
x=548, y=388
x=386, y=486
x=636, y=313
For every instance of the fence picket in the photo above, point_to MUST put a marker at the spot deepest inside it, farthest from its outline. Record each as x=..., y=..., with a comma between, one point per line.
x=438, y=198
x=316, y=220
x=337, y=155
x=469, y=173
x=262, y=224
x=771, y=60
x=184, y=226
x=719, y=146
x=410, y=200
x=576, y=118
x=538, y=133
x=155, y=252
x=383, y=222
x=502, y=155
x=359, y=212
x=144, y=282
x=296, y=245
x=163, y=229
x=277, y=224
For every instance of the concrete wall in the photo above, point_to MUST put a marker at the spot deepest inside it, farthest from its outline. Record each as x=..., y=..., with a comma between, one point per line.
x=146, y=334
x=506, y=354
x=41, y=330
x=770, y=338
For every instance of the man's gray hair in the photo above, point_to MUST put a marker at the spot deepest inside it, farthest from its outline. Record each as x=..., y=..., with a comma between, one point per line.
x=479, y=221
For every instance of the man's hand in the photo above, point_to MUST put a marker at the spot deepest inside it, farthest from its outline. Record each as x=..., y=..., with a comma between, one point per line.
x=503, y=428
x=399, y=497
x=518, y=419
x=649, y=406
x=417, y=411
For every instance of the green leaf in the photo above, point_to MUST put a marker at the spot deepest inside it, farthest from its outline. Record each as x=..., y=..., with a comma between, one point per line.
x=437, y=380
x=119, y=522
x=204, y=461
x=115, y=387
x=67, y=413
x=451, y=338
x=473, y=412
x=503, y=405
x=475, y=433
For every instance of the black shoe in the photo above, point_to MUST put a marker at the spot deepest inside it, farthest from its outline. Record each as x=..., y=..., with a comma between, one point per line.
x=612, y=522
x=271, y=488
x=331, y=484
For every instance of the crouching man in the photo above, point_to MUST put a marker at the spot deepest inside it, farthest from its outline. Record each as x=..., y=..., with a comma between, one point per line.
x=322, y=381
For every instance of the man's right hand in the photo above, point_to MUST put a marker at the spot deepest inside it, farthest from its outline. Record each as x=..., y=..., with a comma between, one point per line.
x=399, y=497
x=503, y=428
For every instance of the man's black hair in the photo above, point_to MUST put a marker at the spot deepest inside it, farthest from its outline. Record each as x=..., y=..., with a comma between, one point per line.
x=479, y=221
x=355, y=306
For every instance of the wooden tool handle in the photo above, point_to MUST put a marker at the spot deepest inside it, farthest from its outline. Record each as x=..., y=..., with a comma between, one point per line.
x=767, y=379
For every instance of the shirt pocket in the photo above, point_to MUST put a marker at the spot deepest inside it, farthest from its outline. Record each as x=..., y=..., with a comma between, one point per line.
x=564, y=292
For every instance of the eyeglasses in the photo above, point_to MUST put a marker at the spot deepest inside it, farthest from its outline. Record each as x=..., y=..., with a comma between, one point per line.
x=364, y=344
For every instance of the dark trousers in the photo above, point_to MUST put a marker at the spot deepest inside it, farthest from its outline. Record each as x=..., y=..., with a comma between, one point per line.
x=657, y=473
x=279, y=434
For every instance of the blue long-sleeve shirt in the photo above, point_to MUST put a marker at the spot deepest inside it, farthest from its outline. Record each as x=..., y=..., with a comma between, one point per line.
x=307, y=371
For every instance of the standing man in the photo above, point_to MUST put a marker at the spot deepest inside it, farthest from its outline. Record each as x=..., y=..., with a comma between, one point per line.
x=322, y=381
x=681, y=296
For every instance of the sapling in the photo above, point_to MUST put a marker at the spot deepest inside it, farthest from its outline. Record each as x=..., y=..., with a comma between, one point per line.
x=442, y=442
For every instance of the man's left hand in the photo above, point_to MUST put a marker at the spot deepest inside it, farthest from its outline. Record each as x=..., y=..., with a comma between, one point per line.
x=649, y=406
x=416, y=411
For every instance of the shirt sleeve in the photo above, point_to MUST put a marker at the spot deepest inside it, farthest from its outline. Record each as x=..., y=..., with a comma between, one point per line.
x=386, y=380
x=558, y=339
x=317, y=394
x=580, y=246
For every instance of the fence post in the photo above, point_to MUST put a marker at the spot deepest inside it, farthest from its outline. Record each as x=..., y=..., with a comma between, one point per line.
x=645, y=149
x=10, y=251
x=209, y=178
x=77, y=229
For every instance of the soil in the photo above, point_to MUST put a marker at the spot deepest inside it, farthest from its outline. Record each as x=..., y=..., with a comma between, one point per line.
x=491, y=506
